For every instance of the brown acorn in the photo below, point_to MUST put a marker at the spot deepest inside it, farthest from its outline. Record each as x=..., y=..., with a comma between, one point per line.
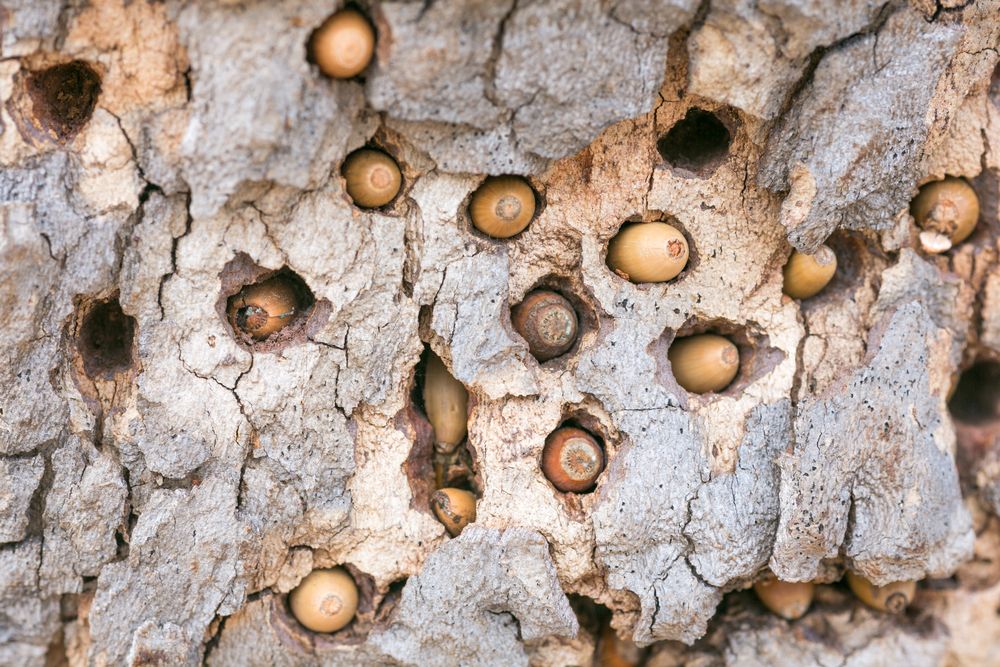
x=893, y=598
x=648, y=252
x=786, y=599
x=325, y=601
x=502, y=206
x=260, y=310
x=343, y=46
x=455, y=508
x=615, y=652
x=372, y=178
x=807, y=275
x=572, y=459
x=947, y=207
x=547, y=321
x=704, y=362
x=446, y=404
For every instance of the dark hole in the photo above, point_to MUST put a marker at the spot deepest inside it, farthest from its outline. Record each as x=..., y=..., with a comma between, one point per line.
x=698, y=143
x=105, y=340
x=63, y=97
x=977, y=397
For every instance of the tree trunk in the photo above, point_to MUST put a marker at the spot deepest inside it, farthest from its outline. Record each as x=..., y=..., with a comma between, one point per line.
x=170, y=469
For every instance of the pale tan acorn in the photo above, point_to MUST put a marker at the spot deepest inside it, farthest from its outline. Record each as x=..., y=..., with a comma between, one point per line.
x=343, y=46
x=790, y=600
x=648, y=252
x=325, y=600
x=372, y=178
x=455, y=508
x=572, y=459
x=446, y=403
x=807, y=275
x=502, y=206
x=704, y=362
x=262, y=309
x=547, y=321
x=892, y=598
x=949, y=207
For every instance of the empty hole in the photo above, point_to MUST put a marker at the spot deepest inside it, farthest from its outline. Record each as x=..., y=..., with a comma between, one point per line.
x=698, y=143
x=976, y=400
x=63, y=97
x=105, y=340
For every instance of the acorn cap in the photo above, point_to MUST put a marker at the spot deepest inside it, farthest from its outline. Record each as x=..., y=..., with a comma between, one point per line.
x=343, y=46
x=892, y=598
x=325, y=601
x=704, y=362
x=446, y=403
x=455, y=508
x=949, y=207
x=547, y=321
x=260, y=310
x=502, y=206
x=648, y=252
x=372, y=178
x=786, y=599
x=806, y=275
x=572, y=459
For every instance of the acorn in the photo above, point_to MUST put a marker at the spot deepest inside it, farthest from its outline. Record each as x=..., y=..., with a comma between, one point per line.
x=615, y=652
x=547, y=321
x=325, y=601
x=572, y=459
x=373, y=178
x=455, y=508
x=893, y=598
x=260, y=310
x=790, y=600
x=343, y=46
x=704, y=362
x=948, y=207
x=502, y=206
x=648, y=252
x=807, y=275
x=446, y=403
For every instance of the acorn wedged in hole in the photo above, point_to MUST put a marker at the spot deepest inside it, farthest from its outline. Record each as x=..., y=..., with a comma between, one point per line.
x=262, y=309
x=790, y=600
x=502, y=206
x=455, y=508
x=372, y=178
x=343, y=46
x=893, y=598
x=807, y=275
x=704, y=362
x=572, y=459
x=648, y=252
x=948, y=207
x=446, y=403
x=547, y=321
x=325, y=600
x=615, y=652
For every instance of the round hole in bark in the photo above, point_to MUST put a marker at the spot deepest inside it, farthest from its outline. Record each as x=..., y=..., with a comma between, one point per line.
x=697, y=143
x=63, y=97
x=976, y=399
x=105, y=339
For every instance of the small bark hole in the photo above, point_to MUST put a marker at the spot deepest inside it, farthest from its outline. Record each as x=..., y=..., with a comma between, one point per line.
x=105, y=340
x=976, y=401
x=63, y=97
x=697, y=143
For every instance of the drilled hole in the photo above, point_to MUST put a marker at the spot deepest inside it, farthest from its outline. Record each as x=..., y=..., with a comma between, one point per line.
x=976, y=400
x=63, y=97
x=698, y=143
x=105, y=340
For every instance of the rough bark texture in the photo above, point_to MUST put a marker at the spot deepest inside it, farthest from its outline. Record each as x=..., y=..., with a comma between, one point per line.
x=163, y=485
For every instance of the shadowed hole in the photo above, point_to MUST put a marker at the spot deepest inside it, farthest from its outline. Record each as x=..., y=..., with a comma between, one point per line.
x=63, y=97
x=698, y=143
x=105, y=340
x=976, y=400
